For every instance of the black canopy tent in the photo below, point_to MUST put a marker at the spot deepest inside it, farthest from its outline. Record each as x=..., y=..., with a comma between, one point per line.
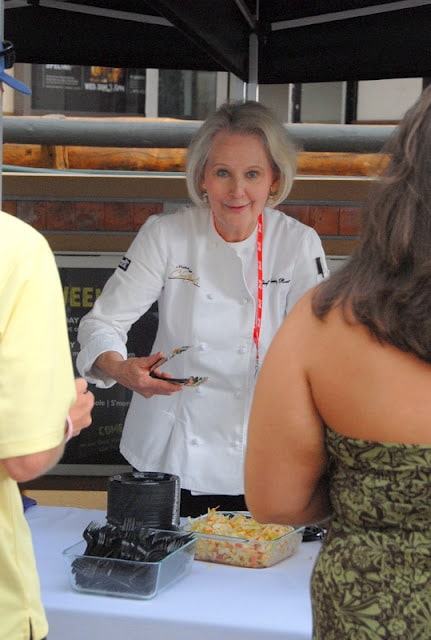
x=261, y=42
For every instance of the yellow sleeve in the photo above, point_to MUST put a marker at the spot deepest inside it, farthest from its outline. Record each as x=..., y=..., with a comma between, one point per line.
x=36, y=374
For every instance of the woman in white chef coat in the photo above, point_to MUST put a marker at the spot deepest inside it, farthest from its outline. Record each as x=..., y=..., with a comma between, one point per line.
x=225, y=272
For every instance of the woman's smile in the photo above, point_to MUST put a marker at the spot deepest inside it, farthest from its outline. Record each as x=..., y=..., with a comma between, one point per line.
x=237, y=208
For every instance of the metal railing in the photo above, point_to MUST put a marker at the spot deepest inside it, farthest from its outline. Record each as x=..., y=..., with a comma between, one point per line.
x=54, y=130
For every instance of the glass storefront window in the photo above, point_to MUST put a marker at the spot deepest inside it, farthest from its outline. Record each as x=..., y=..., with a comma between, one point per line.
x=104, y=91
x=77, y=90
x=189, y=95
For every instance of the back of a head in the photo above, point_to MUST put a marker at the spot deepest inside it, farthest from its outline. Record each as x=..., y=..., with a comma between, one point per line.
x=387, y=281
x=397, y=216
x=245, y=118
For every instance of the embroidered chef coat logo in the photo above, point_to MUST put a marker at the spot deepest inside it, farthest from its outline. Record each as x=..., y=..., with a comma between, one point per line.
x=124, y=263
x=183, y=273
x=276, y=281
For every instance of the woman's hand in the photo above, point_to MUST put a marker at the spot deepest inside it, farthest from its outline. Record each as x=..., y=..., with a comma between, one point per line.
x=134, y=374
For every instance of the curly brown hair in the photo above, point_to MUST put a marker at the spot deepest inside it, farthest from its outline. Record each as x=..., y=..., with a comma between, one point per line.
x=386, y=283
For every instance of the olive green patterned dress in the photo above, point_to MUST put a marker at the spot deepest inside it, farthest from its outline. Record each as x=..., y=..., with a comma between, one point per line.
x=372, y=579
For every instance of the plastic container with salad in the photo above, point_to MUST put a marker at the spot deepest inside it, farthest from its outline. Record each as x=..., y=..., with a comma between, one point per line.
x=234, y=537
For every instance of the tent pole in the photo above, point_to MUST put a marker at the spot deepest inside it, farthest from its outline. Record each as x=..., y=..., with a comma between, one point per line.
x=253, y=53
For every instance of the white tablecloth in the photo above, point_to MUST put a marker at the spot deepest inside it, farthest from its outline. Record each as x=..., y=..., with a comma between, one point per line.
x=214, y=602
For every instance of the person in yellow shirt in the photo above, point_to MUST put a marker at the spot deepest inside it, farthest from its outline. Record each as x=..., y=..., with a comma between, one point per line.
x=41, y=405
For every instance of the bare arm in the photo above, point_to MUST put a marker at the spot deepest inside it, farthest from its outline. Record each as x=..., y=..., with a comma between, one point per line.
x=28, y=467
x=286, y=459
x=134, y=373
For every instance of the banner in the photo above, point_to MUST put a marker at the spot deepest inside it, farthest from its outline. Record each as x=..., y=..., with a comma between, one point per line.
x=99, y=444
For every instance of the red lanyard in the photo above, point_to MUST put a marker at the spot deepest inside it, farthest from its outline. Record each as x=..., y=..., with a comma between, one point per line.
x=258, y=318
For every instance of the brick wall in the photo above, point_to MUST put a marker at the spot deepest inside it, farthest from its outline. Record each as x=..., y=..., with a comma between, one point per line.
x=82, y=216
x=88, y=216
x=327, y=220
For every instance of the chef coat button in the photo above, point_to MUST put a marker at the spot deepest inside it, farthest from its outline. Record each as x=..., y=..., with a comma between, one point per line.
x=242, y=349
x=237, y=394
x=194, y=441
x=210, y=296
x=245, y=301
x=203, y=346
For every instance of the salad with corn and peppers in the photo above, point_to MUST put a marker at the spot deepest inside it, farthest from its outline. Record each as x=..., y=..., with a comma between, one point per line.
x=238, y=539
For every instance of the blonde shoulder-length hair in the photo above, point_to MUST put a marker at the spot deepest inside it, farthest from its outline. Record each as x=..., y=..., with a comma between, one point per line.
x=246, y=118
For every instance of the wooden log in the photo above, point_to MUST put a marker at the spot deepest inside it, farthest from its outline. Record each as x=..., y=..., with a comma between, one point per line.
x=341, y=164
x=127, y=159
x=94, y=158
x=173, y=160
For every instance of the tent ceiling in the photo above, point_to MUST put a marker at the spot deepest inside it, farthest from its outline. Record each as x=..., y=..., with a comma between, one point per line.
x=298, y=41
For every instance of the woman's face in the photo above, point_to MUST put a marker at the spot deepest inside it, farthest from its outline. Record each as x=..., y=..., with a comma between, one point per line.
x=238, y=178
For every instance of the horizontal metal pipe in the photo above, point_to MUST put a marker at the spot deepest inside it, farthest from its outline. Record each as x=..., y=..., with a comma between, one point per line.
x=97, y=133
x=171, y=135
x=348, y=138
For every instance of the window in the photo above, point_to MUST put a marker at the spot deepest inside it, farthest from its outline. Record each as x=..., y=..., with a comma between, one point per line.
x=77, y=90
x=186, y=94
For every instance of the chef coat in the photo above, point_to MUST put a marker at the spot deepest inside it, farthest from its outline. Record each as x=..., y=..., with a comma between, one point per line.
x=197, y=278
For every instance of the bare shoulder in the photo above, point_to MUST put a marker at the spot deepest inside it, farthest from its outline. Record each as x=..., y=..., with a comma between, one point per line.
x=292, y=347
x=301, y=324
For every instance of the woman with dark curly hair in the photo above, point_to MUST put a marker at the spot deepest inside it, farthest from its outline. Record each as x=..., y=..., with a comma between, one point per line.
x=341, y=417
